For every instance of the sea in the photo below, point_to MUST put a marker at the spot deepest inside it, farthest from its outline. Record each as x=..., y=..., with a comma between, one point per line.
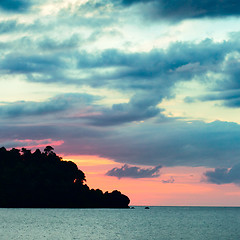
x=195, y=223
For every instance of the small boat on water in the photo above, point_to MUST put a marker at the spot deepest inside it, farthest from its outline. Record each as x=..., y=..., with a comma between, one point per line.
x=147, y=208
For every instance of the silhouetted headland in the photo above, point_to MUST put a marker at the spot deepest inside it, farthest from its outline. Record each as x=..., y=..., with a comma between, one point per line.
x=44, y=180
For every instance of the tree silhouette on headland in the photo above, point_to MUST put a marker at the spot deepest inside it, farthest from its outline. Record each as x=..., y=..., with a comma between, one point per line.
x=43, y=179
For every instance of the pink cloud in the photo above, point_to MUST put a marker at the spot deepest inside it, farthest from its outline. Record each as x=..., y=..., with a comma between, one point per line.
x=29, y=143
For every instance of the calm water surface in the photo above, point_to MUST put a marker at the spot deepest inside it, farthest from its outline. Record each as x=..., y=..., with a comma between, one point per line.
x=158, y=223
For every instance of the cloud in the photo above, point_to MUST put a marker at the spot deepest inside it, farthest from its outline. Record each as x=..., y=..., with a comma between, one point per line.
x=156, y=71
x=181, y=61
x=34, y=49
x=51, y=44
x=152, y=75
x=127, y=171
x=139, y=108
x=130, y=2
x=82, y=107
x=13, y=26
x=175, y=10
x=8, y=26
x=30, y=143
x=180, y=57
x=15, y=5
x=224, y=175
x=227, y=98
x=172, y=143
x=171, y=180
x=25, y=64
x=91, y=15
x=52, y=106
x=52, y=130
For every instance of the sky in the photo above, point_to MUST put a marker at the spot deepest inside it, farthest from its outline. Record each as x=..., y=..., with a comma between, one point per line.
x=143, y=95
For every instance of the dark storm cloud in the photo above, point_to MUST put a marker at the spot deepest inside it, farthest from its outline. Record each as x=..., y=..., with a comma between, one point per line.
x=127, y=171
x=15, y=5
x=224, y=175
x=175, y=10
x=54, y=105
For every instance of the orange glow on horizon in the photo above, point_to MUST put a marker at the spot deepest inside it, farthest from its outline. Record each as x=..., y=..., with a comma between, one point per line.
x=88, y=160
x=188, y=189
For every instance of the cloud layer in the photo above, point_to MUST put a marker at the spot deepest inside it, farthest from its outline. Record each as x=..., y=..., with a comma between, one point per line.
x=170, y=144
x=152, y=75
x=15, y=5
x=224, y=175
x=52, y=106
x=187, y=9
x=127, y=171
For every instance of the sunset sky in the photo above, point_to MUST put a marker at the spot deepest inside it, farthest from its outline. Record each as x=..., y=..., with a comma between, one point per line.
x=143, y=95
